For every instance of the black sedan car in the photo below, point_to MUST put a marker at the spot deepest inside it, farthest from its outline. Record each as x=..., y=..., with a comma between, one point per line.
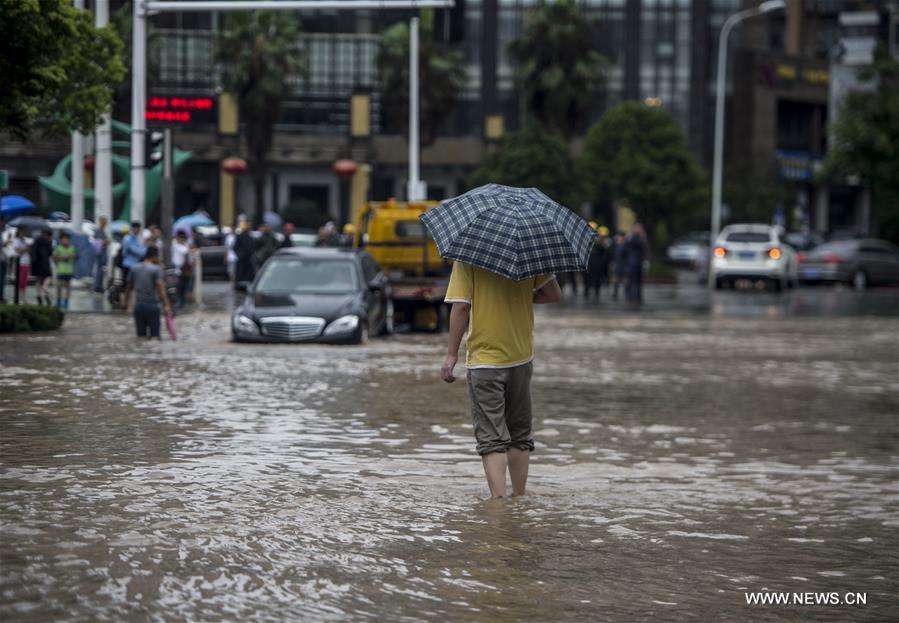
x=316, y=295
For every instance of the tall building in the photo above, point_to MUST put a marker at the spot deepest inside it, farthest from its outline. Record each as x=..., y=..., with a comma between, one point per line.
x=778, y=96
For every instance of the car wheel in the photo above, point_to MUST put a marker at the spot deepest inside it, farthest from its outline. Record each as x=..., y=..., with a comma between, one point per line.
x=859, y=280
x=719, y=283
x=777, y=284
x=387, y=329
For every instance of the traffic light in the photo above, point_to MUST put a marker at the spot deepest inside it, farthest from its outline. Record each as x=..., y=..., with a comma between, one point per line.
x=155, y=147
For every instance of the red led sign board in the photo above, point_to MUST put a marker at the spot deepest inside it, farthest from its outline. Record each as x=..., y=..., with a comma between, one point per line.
x=179, y=110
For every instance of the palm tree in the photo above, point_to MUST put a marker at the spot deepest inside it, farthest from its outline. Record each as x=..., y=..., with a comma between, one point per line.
x=257, y=52
x=558, y=69
x=441, y=76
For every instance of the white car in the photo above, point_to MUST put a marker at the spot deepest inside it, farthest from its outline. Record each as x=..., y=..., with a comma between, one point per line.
x=755, y=252
x=689, y=250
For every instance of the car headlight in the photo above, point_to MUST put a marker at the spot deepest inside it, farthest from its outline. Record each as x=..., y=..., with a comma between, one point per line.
x=244, y=324
x=344, y=324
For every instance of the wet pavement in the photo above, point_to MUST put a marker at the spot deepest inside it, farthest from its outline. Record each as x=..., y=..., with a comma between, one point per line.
x=687, y=453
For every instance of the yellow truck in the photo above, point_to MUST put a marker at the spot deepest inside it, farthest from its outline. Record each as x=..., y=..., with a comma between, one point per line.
x=395, y=237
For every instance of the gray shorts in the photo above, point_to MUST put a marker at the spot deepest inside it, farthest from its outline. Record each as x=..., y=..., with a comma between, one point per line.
x=501, y=408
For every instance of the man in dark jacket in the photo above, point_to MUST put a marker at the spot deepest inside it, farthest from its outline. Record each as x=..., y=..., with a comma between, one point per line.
x=266, y=245
x=41, y=253
x=598, y=263
x=635, y=254
x=245, y=250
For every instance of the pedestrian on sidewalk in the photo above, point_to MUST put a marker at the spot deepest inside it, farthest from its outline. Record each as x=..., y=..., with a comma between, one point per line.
x=21, y=248
x=598, y=265
x=619, y=264
x=41, y=268
x=146, y=286
x=499, y=315
x=64, y=256
x=636, y=253
x=5, y=249
x=133, y=249
x=182, y=261
x=101, y=243
x=245, y=250
x=266, y=244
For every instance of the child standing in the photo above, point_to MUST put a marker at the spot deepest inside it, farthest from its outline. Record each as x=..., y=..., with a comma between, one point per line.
x=64, y=256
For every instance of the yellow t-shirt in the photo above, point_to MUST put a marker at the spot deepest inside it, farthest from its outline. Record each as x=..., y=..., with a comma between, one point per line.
x=501, y=326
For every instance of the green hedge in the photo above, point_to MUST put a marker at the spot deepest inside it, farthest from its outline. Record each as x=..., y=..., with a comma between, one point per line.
x=15, y=318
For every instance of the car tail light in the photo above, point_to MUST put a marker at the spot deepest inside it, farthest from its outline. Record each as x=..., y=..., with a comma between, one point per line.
x=832, y=258
x=774, y=254
x=800, y=257
x=720, y=251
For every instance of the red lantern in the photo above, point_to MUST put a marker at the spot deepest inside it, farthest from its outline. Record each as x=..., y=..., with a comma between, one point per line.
x=89, y=164
x=234, y=165
x=345, y=169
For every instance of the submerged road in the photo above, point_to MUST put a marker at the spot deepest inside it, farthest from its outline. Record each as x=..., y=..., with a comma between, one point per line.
x=687, y=454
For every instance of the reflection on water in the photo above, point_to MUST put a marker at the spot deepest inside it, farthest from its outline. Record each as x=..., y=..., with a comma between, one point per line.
x=681, y=462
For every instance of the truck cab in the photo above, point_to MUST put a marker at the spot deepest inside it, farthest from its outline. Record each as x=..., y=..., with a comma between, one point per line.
x=395, y=237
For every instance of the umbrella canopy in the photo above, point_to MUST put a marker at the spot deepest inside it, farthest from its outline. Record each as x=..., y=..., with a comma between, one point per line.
x=272, y=219
x=514, y=232
x=58, y=216
x=31, y=223
x=14, y=205
x=119, y=227
x=197, y=219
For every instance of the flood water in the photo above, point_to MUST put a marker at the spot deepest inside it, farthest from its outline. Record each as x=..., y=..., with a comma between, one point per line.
x=682, y=461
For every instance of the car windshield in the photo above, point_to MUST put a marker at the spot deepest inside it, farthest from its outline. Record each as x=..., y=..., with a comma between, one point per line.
x=748, y=236
x=304, y=275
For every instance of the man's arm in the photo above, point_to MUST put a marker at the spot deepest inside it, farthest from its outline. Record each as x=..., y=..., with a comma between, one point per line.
x=163, y=296
x=549, y=292
x=458, y=324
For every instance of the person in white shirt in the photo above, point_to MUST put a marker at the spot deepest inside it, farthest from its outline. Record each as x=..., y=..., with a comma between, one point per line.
x=21, y=248
x=182, y=260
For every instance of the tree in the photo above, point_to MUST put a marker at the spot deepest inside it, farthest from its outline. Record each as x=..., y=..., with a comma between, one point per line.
x=638, y=154
x=533, y=157
x=55, y=65
x=865, y=142
x=258, y=52
x=753, y=194
x=441, y=77
x=558, y=69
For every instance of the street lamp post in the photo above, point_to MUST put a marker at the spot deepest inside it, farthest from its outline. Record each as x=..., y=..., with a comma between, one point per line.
x=733, y=20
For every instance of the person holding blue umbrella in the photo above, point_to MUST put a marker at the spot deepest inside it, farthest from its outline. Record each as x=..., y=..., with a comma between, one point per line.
x=506, y=243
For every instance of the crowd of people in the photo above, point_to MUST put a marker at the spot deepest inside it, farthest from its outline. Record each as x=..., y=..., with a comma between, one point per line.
x=36, y=257
x=248, y=250
x=617, y=262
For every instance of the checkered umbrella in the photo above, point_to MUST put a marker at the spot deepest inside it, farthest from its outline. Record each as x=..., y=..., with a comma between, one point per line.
x=514, y=232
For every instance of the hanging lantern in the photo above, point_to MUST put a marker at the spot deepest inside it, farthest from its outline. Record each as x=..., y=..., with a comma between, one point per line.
x=234, y=165
x=345, y=169
x=89, y=164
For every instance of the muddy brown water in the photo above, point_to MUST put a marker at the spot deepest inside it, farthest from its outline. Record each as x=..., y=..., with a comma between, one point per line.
x=681, y=462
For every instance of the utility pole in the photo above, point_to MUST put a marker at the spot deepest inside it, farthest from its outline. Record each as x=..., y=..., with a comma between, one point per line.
x=138, y=108
x=76, y=205
x=416, y=190
x=103, y=152
x=718, y=163
x=168, y=195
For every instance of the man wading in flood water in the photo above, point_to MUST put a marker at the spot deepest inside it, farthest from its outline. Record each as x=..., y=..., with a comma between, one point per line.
x=499, y=315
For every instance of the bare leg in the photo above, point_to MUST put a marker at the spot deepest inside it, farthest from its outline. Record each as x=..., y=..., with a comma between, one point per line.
x=518, y=469
x=495, y=469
